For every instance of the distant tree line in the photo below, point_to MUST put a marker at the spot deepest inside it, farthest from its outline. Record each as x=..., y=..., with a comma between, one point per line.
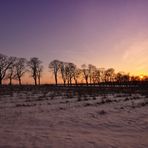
x=14, y=68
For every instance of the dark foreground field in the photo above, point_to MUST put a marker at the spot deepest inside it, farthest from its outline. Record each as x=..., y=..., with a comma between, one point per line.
x=73, y=117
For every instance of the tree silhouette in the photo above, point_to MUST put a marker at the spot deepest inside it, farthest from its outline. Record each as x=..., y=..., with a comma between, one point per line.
x=122, y=77
x=85, y=71
x=15, y=68
x=96, y=76
x=55, y=67
x=40, y=70
x=10, y=74
x=91, y=69
x=5, y=63
x=101, y=74
x=70, y=71
x=109, y=75
x=35, y=68
x=135, y=78
x=63, y=67
x=20, y=69
x=77, y=75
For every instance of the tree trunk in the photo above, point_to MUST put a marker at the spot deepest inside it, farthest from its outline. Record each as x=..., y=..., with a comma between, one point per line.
x=76, y=82
x=0, y=81
x=90, y=80
x=64, y=82
x=39, y=80
x=70, y=80
x=86, y=79
x=56, y=81
x=35, y=82
x=20, y=83
x=10, y=81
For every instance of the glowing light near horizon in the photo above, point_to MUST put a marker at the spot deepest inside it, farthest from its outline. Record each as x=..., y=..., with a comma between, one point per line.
x=141, y=77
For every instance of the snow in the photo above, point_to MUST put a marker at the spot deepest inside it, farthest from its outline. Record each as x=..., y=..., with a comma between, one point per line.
x=45, y=120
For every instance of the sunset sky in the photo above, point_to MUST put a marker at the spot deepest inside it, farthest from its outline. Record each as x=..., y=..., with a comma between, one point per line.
x=105, y=33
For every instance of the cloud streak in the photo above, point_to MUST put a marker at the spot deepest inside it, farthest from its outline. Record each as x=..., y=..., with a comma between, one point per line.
x=136, y=56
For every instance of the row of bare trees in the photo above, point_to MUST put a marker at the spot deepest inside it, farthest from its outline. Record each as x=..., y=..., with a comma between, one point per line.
x=70, y=73
x=67, y=71
x=14, y=68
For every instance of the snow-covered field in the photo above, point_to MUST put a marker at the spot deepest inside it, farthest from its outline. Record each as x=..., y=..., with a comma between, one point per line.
x=68, y=119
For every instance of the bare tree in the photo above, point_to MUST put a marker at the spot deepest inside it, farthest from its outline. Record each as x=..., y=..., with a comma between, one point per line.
x=5, y=63
x=77, y=75
x=10, y=74
x=91, y=69
x=101, y=74
x=40, y=70
x=63, y=67
x=122, y=77
x=35, y=65
x=96, y=76
x=85, y=71
x=55, y=67
x=20, y=69
x=109, y=75
x=70, y=71
x=67, y=72
x=135, y=78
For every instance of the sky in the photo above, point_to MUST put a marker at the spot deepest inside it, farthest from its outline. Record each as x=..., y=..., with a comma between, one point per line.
x=105, y=33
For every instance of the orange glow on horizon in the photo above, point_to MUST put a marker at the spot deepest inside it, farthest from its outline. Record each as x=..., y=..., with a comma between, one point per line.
x=141, y=77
